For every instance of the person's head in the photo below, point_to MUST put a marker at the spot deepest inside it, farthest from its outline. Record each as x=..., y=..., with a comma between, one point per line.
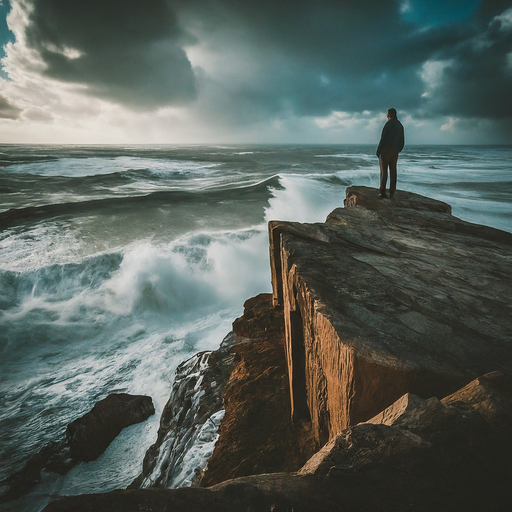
x=391, y=113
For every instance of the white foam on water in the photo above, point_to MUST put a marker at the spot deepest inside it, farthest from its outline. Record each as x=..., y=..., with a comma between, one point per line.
x=95, y=166
x=303, y=199
x=81, y=327
x=352, y=156
x=195, y=459
x=119, y=322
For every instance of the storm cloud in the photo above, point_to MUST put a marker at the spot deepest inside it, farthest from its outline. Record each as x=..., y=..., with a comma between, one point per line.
x=130, y=52
x=235, y=64
x=7, y=110
x=315, y=57
x=477, y=82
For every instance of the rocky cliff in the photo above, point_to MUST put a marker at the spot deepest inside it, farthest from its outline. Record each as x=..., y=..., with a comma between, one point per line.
x=386, y=348
x=388, y=297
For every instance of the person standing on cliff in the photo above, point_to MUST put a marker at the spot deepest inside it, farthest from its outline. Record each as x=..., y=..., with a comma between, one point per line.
x=391, y=143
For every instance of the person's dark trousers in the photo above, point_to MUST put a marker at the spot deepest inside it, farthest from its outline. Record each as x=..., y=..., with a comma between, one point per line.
x=388, y=159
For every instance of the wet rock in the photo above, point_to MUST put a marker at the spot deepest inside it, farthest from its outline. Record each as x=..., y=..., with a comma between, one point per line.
x=388, y=297
x=242, y=386
x=391, y=309
x=90, y=435
x=86, y=439
x=54, y=457
x=189, y=421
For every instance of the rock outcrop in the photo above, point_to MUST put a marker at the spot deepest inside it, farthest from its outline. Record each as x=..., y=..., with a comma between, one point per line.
x=90, y=435
x=419, y=454
x=256, y=435
x=244, y=384
x=189, y=421
x=388, y=297
x=85, y=439
x=394, y=366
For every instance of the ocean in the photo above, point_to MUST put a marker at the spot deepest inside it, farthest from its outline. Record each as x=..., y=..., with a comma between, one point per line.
x=120, y=262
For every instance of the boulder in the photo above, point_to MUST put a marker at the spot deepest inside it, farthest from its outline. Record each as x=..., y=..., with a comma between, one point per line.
x=90, y=435
x=85, y=439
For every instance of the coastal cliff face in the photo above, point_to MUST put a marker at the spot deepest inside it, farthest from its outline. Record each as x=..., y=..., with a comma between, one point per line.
x=386, y=348
x=388, y=297
x=244, y=384
x=256, y=435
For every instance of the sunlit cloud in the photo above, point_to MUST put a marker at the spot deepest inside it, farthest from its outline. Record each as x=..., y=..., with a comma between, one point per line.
x=233, y=71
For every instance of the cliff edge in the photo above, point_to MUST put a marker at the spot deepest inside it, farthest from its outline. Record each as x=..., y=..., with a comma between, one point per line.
x=388, y=297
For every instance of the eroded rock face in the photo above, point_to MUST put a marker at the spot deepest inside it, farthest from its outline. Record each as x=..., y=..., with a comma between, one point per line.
x=189, y=420
x=420, y=455
x=90, y=435
x=446, y=446
x=388, y=297
x=256, y=435
x=242, y=386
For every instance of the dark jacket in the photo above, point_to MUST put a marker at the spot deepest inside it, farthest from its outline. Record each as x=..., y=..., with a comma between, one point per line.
x=392, y=138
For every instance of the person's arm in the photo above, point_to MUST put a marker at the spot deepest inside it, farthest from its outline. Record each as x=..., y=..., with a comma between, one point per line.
x=383, y=138
x=402, y=138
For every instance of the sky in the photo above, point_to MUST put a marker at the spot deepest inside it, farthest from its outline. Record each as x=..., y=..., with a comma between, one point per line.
x=266, y=71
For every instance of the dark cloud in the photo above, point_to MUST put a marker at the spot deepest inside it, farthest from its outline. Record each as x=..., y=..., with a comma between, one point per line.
x=479, y=83
x=7, y=110
x=130, y=52
x=315, y=57
x=299, y=57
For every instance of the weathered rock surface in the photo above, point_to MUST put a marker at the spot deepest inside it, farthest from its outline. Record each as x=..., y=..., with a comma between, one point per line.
x=388, y=308
x=90, y=435
x=419, y=455
x=256, y=435
x=243, y=383
x=191, y=416
x=388, y=297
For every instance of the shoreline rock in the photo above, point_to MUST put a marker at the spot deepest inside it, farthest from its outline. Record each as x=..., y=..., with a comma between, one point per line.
x=421, y=455
x=392, y=376
x=193, y=412
x=90, y=435
x=86, y=438
x=255, y=435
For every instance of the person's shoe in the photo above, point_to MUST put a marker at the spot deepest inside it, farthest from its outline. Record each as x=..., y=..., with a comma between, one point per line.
x=382, y=195
x=391, y=196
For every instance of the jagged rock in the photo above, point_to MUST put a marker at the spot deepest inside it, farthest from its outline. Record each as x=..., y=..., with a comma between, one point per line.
x=419, y=455
x=387, y=300
x=90, y=435
x=255, y=435
x=192, y=413
x=388, y=297
x=243, y=383
x=448, y=446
